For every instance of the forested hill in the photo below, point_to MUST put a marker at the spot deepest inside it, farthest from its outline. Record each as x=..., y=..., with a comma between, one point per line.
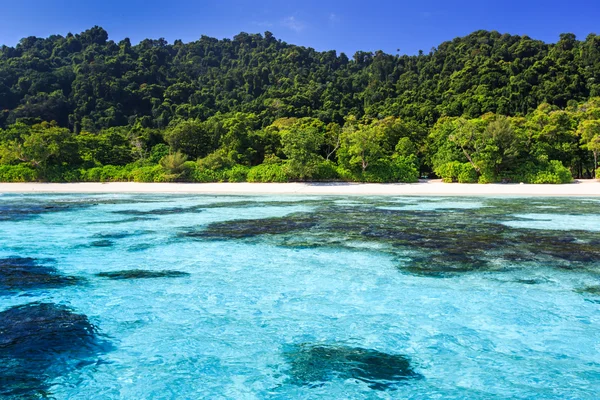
x=87, y=83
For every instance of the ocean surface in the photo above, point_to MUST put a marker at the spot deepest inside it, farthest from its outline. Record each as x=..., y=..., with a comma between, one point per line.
x=242, y=297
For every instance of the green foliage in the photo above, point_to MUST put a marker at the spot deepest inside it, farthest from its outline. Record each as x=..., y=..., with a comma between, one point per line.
x=554, y=172
x=548, y=172
x=158, y=152
x=485, y=107
x=192, y=137
x=107, y=173
x=201, y=175
x=173, y=163
x=148, y=174
x=267, y=173
x=301, y=143
x=215, y=161
x=237, y=173
x=455, y=171
x=17, y=173
x=326, y=171
x=468, y=175
x=362, y=145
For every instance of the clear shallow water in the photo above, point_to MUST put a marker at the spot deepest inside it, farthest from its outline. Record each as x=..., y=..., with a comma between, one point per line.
x=485, y=298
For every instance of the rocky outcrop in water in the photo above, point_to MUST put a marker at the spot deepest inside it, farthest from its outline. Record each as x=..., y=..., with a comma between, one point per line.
x=17, y=274
x=245, y=228
x=40, y=341
x=141, y=274
x=314, y=365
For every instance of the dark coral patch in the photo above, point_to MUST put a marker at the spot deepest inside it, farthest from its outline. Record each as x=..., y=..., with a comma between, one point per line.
x=314, y=365
x=141, y=274
x=593, y=290
x=160, y=211
x=18, y=211
x=102, y=243
x=18, y=273
x=40, y=341
x=445, y=264
x=244, y=228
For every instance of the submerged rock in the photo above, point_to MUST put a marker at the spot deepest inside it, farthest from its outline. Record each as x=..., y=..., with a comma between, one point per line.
x=102, y=243
x=243, y=228
x=18, y=273
x=441, y=265
x=140, y=247
x=141, y=274
x=593, y=290
x=39, y=342
x=161, y=211
x=19, y=211
x=314, y=365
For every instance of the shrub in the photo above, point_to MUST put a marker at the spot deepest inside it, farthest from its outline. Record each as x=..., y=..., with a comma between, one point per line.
x=552, y=172
x=385, y=170
x=237, y=173
x=173, y=163
x=59, y=174
x=345, y=174
x=455, y=171
x=148, y=174
x=405, y=169
x=17, y=173
x=326, y=171
x=107, y=173
x=158, y=152
x=217, y=160
x=467, y=174
x=267, y=173
x=486, y=177
x=202, y=175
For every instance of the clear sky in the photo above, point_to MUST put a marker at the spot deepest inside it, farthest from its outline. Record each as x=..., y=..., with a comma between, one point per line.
x=343, y=25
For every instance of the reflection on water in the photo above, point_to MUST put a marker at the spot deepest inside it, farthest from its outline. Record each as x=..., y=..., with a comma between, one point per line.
x=166, y=296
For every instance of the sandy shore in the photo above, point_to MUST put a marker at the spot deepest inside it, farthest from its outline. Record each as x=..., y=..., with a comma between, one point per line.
x=424, y=188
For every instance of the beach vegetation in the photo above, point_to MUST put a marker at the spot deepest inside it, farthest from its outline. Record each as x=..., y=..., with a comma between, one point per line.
x=486, y=107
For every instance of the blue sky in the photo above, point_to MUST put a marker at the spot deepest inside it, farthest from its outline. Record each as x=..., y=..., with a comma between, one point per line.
x=342, y=25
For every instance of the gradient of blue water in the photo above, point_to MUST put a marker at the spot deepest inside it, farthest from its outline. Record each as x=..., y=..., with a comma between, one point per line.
x=220, y=333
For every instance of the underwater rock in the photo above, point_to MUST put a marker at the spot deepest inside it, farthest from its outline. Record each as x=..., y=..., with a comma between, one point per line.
x=314, y=365
x=141, y=274
x=123, y=221
x=18, y=273
x=115, y=235
x=41, y=341
x=445, y=264
x=593, y=290
x=140, y=247
x=102, y=243
x=19, y=211
x=243, y=228
x=160, y=211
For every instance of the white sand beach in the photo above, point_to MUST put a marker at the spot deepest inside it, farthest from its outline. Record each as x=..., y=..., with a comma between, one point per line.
x=423, y=188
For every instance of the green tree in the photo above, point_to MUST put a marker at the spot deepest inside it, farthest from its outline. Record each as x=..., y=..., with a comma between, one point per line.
x=173, y=163
x=301, y=144
x=47, y=145
x=363, y=144
x=191, y=137
x=589, y=132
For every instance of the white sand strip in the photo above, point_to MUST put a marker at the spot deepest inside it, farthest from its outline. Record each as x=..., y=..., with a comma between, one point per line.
x=424, y=188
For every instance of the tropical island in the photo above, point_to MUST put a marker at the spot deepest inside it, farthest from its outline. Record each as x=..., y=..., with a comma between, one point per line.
x=483, y=108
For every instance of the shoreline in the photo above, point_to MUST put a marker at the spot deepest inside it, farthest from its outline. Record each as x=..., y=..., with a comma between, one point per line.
x=580, y=188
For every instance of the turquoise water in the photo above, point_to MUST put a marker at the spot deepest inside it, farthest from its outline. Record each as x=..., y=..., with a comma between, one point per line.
x=304, y=297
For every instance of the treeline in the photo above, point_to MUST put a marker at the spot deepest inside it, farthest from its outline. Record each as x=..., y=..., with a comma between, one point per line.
x=486, y=107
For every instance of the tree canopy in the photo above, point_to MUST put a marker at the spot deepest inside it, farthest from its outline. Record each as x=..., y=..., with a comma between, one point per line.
x=495, y=102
